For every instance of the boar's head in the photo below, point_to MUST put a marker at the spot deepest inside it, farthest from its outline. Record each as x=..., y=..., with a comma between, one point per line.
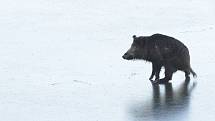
x=137, y=49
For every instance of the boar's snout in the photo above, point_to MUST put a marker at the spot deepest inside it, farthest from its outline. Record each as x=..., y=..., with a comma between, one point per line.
x=127, y=56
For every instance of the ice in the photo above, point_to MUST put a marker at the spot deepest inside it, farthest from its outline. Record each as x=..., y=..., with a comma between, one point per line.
x=61, y=60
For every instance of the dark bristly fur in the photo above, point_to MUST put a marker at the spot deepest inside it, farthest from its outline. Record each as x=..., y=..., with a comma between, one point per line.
x=161, y=50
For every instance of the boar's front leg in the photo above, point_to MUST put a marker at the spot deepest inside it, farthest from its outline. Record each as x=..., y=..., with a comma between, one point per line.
x=155, y=71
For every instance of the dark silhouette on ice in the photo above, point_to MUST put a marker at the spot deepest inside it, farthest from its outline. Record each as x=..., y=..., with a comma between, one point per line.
x=162, y=51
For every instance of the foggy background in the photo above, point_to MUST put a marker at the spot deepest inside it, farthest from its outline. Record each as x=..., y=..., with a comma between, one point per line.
x=61, y=60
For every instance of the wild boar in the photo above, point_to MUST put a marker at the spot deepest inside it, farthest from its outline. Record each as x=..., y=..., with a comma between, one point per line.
x=161, y=51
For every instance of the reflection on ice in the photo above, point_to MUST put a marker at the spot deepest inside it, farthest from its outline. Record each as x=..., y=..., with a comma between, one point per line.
x=166, y=104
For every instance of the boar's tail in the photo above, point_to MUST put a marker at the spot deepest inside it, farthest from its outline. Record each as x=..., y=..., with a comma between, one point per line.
x=193, y=73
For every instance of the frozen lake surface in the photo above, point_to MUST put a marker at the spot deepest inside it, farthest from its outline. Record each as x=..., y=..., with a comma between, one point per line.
x=60, y=60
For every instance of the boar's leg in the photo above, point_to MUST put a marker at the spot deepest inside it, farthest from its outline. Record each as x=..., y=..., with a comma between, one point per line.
x=157, y=74
x=187, y=75
x=169, y=70
x=155, y=71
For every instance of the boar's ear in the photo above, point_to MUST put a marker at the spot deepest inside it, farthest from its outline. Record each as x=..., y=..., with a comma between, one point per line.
x=134, y=36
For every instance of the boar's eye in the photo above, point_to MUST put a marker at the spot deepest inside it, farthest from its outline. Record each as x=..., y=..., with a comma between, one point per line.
x=137, y=41
x=135, y=45
x=140, y=41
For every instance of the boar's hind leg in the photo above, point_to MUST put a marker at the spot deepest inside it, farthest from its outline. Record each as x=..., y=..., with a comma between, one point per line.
x=187, y=75
x=169, y=70
x=155, y=71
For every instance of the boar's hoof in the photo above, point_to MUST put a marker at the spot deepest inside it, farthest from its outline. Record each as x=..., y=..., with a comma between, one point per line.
x=151, y=79
x=155, y=81
x=187, y=79
x=163, y=81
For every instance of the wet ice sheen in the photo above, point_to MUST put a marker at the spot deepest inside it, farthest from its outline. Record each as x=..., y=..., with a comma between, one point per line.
x=167, y=103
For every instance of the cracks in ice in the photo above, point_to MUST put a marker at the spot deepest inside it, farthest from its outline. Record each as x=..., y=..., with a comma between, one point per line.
x=82, y=82
x=76, y=81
